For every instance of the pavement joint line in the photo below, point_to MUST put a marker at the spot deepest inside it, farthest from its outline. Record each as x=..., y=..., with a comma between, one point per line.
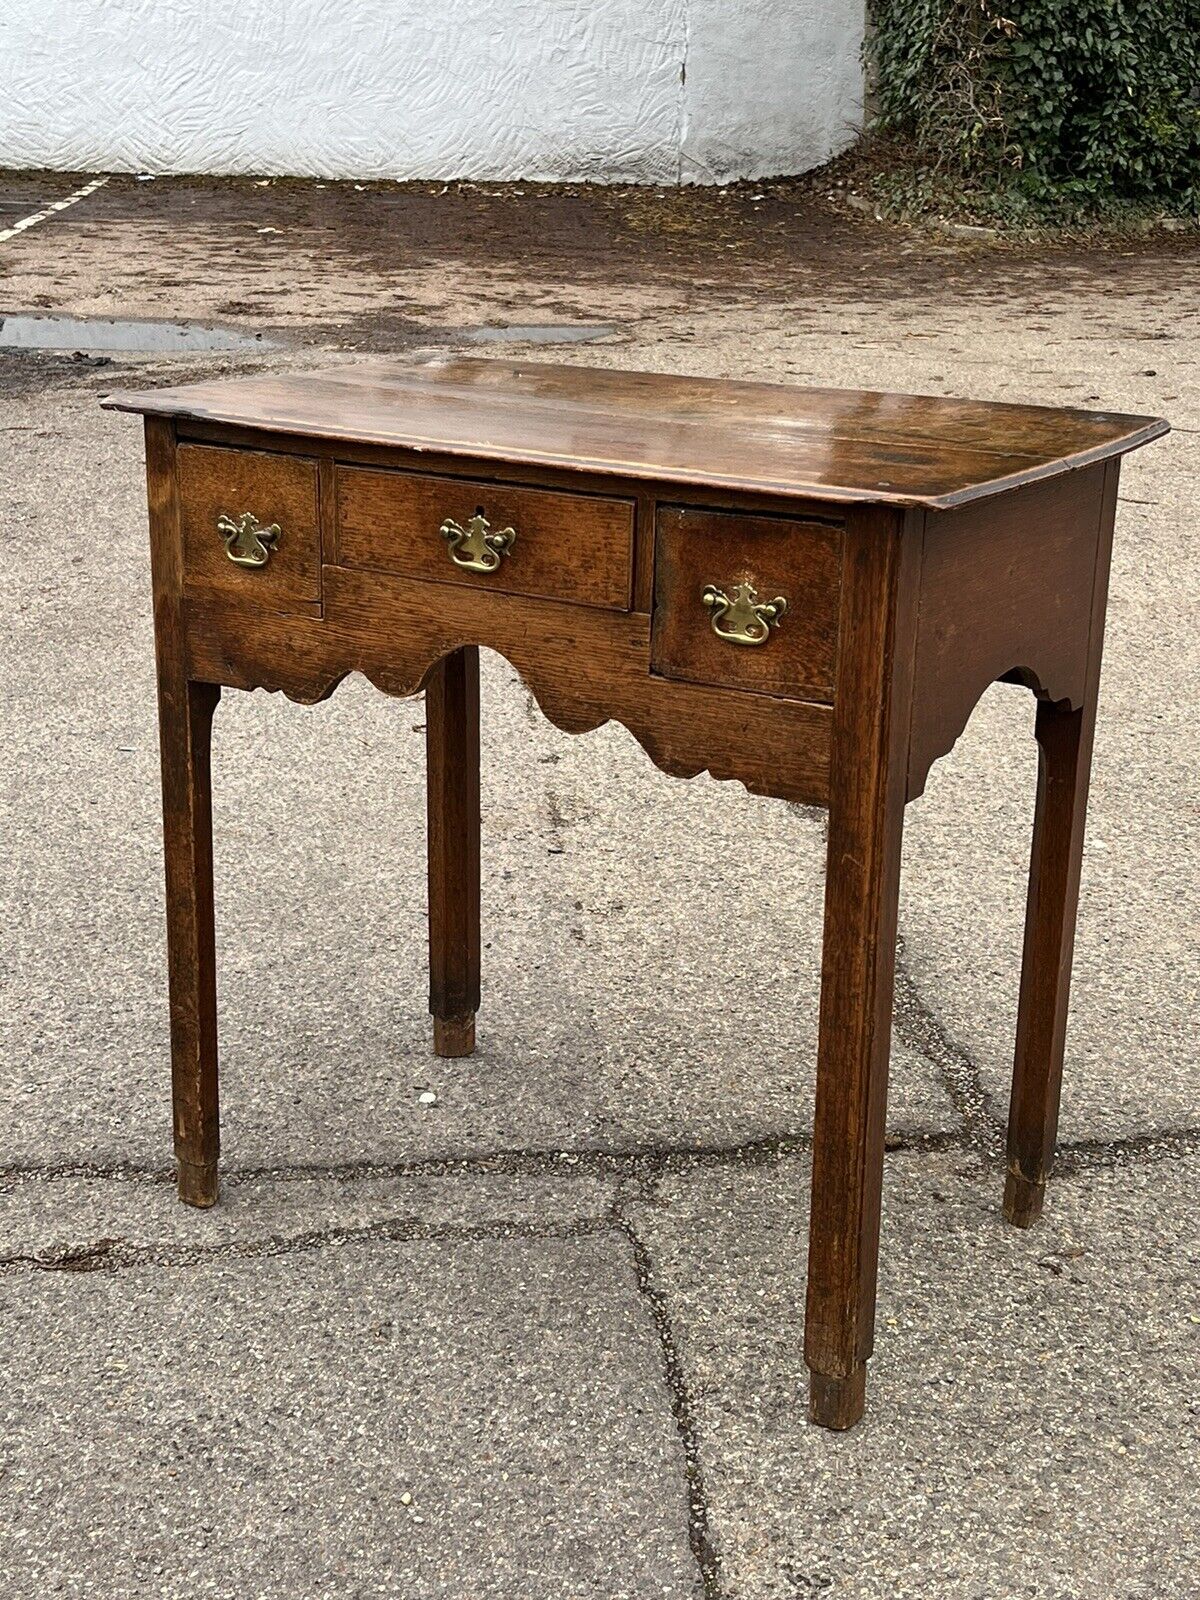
x=1073, y=1157
x=923, y=1031
x=682, y=1409
x=635, y=1161
x=48, y=211
x=1082, y=1156
x=114, y=1255
x=117, y=1255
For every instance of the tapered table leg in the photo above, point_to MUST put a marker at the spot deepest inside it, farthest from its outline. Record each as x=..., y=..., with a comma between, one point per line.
x=1064, y=738
x=862, y=883
x=858, y=970
x=452, y=753
x=185, y=723
x=1064, y=761
x=185, y=713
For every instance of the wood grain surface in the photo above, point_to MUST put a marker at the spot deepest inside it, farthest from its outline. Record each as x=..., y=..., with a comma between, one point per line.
x=862, y=883
x=584, y=667
x=215, y=482
x=452, y=809
x=568, y=546
x=185, y=713
x=835, y=444
x=925, y=548
x=801, y=562
x=1006, y=591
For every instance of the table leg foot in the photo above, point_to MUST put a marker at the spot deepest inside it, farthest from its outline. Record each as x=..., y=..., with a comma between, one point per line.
x=1023, y=1199
x=453, y=1036
x=198, y=1185
x=837, y=1402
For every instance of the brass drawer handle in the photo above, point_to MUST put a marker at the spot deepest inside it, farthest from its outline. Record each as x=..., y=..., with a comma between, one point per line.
x=247, y=544
x=476, y=547
x=741, y=617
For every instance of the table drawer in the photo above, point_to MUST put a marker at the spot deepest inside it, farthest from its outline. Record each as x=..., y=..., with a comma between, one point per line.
x=460, y=530
x=250, y=525
x=712, y=568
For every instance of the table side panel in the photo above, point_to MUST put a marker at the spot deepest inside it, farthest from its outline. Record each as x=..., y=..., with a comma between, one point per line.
x=1006, y=591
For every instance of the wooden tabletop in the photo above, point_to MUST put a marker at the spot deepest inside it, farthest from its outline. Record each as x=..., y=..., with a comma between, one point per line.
x=831, y=444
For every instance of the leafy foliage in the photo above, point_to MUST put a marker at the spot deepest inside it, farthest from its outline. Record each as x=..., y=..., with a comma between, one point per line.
x=1095, y=103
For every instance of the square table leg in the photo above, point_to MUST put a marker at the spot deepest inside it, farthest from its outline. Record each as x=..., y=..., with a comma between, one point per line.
x=1064, y=739
x=185, y=713
x=857, y=978
x=452, y=776
x=868, y=776
x=185, y=728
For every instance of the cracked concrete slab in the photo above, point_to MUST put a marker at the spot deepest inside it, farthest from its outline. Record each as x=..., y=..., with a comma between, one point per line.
x=1032, y=1420
x=429, y=1418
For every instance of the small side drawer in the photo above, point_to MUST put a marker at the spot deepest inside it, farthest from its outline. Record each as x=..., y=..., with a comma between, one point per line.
x=739, y=562
x=573, y=547
x=218, y=489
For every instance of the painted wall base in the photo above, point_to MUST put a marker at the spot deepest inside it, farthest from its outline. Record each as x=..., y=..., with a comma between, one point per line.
x=644, y=91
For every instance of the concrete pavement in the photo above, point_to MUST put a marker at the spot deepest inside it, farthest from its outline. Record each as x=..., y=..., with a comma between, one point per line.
x=560, y=1309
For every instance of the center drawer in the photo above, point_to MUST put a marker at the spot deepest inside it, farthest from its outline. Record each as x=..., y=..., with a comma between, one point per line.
x=559, y=546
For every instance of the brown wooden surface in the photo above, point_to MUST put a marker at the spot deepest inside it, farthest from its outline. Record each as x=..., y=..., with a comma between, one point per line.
x=800, y=561
x=862, y=879
x=837, y=444
x=185, y=712
x=583, y=667
x=1006, y=589
x=568, y=546
x=646, y=493
x=1064, y=737
x=281, y=489
x=452, y=797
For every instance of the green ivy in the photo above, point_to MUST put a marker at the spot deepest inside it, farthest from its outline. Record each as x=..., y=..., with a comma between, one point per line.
x=1096, y=102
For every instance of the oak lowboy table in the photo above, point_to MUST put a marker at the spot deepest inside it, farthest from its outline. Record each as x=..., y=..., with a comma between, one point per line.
x=806, y=590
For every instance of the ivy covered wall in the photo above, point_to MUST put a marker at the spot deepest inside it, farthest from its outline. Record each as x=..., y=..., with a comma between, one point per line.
x=1091, y=101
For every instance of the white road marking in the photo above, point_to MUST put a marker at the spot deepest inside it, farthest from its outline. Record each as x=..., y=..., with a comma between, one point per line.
x=48, y=211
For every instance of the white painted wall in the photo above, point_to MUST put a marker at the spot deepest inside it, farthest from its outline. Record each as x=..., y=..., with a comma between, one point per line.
x=654, y=91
